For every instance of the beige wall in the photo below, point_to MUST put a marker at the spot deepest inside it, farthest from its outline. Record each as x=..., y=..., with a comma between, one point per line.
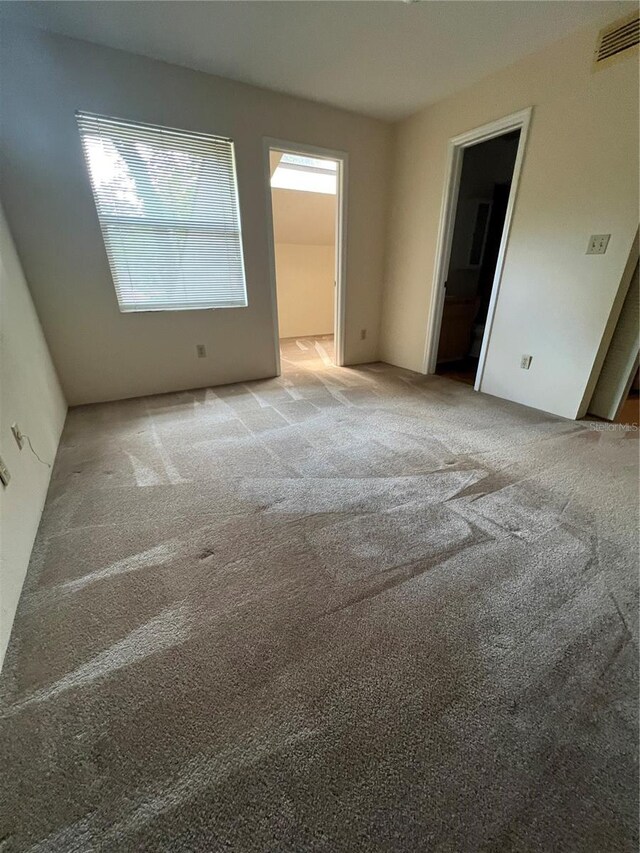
x=305, y=277
x=305, y=218
x=102, y=354
x=30, y=396
x=621, y=360
x=304, y=232
x=580, y=177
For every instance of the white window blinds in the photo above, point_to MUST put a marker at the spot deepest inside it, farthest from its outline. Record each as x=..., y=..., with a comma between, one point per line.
x=167, y=202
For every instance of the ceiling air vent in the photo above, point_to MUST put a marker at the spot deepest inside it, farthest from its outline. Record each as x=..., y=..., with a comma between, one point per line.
x=616, y=39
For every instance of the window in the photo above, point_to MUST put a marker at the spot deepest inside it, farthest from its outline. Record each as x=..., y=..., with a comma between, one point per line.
x=167, y=202
x=309, y=174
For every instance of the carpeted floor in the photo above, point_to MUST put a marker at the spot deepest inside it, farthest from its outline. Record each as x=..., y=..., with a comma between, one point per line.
x=343, y=610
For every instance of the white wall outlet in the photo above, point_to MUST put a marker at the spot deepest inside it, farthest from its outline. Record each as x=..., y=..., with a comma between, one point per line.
x=5, y=476
x=17, y=434
x=363, y=334
x=525, y=362
x=201, y=350
x=598, y=244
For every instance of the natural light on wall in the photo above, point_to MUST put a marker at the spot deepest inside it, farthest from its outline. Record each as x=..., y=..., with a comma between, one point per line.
x=308, y=174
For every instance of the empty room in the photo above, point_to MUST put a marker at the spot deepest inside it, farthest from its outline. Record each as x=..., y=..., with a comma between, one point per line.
x=319, y=449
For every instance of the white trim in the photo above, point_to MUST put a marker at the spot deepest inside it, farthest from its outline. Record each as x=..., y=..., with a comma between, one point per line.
x=457, y=145
x=339, y=313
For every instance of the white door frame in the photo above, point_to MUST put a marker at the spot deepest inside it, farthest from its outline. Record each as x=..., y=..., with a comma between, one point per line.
x=341, y=158
x=457, y=146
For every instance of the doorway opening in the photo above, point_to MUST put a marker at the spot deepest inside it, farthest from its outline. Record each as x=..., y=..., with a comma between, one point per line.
x=616, y=396
x=480, y=191
x=485, y=183
x=306, y=189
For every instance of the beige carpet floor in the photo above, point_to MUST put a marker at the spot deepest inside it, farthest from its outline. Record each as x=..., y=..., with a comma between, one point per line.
x=342, y=610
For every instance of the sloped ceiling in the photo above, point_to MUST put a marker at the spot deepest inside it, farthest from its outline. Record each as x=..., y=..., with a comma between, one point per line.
x=303, y=218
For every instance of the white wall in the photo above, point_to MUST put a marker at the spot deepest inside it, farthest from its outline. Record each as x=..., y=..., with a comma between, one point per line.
x=30, y=396
x=580, y=177
x=102, y=354
x=305, y=276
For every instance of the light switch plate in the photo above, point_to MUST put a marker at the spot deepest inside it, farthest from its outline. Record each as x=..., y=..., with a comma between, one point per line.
x=598, y=244
x=525, y=362
x=5, y=476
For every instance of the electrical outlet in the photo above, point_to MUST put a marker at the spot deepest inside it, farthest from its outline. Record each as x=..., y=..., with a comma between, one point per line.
x=598, y=244
x=5, y=476
x=201, y=350
x=525, y=362
x=363, y=334
x=17, y=434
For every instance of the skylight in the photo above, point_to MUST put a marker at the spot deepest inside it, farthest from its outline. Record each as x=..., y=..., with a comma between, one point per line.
x=309, y=162
x=307, y=174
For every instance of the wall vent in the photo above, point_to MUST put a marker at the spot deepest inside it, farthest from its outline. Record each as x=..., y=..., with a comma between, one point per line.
x=616, y=39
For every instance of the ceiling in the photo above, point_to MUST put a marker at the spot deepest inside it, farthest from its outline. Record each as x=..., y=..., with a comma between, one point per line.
x=383, y=59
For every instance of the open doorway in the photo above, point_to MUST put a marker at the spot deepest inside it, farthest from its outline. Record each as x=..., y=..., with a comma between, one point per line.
x=616, y=396
x=306, y=189
x=485, y=184
x=481, y=181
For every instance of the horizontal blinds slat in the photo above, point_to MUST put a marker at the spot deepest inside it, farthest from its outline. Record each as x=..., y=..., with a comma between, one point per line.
x=167, y=202
x=126, y=126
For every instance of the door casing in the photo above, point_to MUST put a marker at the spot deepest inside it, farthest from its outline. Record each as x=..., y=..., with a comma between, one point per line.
x=339, y=310
x=457, y=145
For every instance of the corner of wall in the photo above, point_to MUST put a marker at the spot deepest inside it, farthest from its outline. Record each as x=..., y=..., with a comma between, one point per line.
x=609, y=329
x=31, y=396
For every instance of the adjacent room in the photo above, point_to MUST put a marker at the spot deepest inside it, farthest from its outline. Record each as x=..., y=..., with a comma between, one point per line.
x=478, y=229
x=304, y=202
x=319, y=432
